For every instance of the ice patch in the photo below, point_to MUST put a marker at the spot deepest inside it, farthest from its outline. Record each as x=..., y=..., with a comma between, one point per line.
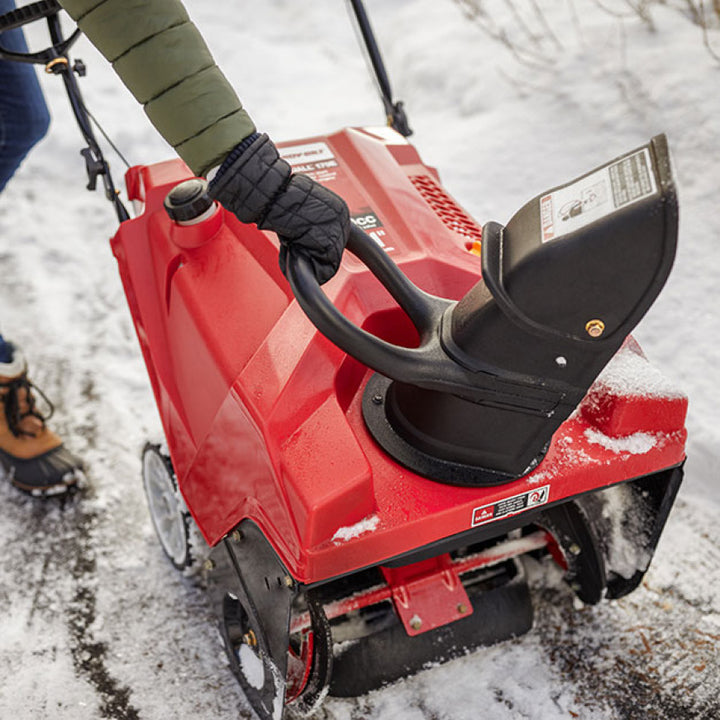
x=367, y=524
x=637, y=444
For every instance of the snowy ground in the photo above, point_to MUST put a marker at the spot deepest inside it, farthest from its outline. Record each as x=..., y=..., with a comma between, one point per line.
x=95, y=623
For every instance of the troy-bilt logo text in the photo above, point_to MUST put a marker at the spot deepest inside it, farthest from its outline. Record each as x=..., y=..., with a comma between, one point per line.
x=510, y=506
x=310, y=157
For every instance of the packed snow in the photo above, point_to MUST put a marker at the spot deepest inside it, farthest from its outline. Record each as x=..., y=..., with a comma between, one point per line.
x=627, y=523
x=507, y=99
x=365, y=525
x=252, y=667
x=635, y=444
x=629, y=373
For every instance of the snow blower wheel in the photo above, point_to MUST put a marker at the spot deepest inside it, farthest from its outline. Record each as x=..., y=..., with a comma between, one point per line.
x=301, y=679
x=170, y=517
x=248, y=651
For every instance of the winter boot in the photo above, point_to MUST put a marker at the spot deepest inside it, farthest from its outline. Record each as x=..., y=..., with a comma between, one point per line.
x=33, y=456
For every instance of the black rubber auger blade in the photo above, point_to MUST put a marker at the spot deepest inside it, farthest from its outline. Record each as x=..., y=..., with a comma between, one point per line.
x=499, y=613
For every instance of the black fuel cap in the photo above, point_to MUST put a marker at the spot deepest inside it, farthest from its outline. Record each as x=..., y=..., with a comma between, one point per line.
x=188, y=200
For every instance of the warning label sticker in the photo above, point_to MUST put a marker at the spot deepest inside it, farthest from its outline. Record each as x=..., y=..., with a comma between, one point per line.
x=314, y=159
x=368, y=221
x=510, y=506
x=603, y=192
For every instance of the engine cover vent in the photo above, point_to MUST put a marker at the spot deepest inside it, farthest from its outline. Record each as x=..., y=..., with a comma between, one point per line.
x=446, y=208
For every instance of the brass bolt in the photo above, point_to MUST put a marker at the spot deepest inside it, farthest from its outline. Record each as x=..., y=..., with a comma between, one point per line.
x=288, y=581
x=462, y=608
x=236, y=536
x=250, y=639
x=595, y=328
x=415, y=622
x=209, y=564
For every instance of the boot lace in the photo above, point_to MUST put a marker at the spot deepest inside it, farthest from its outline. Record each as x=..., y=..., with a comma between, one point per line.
x=19, y=404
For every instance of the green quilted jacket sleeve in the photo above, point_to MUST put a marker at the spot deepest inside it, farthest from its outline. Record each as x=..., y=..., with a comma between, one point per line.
x=162, y=58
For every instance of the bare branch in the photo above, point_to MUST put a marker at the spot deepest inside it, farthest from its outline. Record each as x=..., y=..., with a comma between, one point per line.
x=576, y=20
x=641, y=9
x=706, y=38
x=543, y=21
x=610, y=11
x=521, y=22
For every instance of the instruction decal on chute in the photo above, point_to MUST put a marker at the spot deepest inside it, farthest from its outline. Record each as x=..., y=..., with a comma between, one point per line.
x=596, y=195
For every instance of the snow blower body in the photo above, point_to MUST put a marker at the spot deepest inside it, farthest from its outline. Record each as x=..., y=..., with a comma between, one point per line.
x=371, y=481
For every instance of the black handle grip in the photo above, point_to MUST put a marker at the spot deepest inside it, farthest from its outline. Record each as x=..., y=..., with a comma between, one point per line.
x=27, y=14
x=424, y=310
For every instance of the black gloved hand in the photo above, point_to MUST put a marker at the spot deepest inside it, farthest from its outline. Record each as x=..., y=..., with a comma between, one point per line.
x=258, y=186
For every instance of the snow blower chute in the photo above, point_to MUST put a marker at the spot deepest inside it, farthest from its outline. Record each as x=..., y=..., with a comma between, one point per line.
x=370, y=484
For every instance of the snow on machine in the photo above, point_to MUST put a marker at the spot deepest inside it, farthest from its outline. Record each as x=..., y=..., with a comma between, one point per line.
x=371, y=463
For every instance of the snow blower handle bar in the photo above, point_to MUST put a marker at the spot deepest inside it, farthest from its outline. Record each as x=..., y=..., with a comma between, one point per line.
x=28, y=14
x=413, y=365
x=394, y=111
x=56, y=61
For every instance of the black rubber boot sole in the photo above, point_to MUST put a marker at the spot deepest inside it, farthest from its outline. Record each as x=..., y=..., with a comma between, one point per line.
x=53, y=473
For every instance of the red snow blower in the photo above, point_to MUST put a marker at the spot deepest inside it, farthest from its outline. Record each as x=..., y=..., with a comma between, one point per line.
x=372, y=463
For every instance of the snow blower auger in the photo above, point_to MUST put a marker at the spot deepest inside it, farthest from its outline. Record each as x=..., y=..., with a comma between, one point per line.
x=371, y=482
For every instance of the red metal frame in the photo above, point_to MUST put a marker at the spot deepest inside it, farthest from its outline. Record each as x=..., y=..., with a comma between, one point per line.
x=434, y=574
x=262, y=413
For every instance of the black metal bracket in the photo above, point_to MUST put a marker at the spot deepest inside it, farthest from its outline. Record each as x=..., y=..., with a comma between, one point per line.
x=252, y=593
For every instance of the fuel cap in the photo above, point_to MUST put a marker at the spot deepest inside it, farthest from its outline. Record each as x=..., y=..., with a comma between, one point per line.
x=188, y=200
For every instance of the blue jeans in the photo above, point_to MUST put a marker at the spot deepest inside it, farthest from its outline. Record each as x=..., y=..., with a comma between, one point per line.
x=5, y=351
x=24, y=117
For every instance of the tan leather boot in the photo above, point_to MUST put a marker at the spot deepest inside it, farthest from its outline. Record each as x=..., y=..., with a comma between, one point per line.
x=33, y=457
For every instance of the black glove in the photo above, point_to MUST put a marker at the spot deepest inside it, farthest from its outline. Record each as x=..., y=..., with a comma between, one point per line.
x=258, y=186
